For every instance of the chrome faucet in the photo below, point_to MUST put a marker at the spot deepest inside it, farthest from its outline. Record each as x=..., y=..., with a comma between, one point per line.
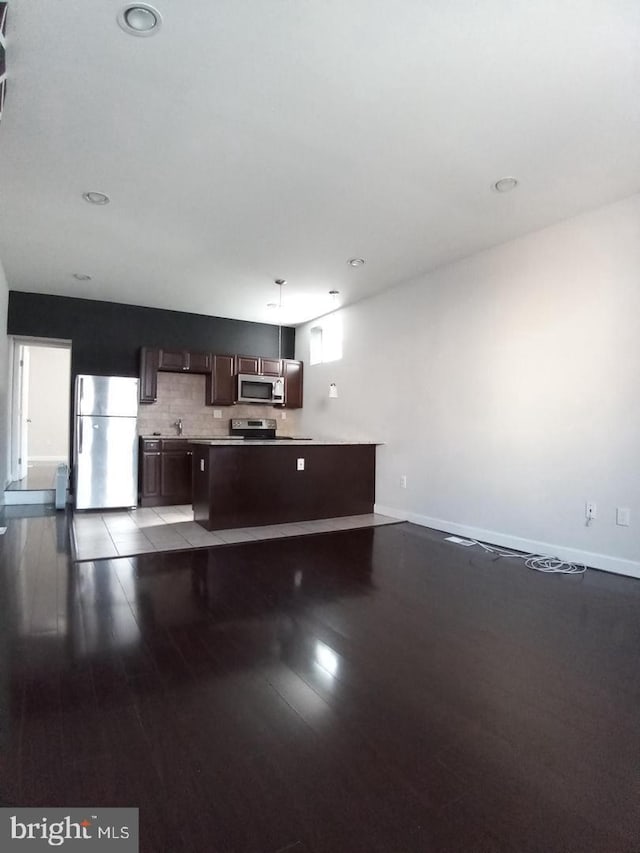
x=178, y=425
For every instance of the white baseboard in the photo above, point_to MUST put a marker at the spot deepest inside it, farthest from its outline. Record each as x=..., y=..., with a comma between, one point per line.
x=20, y=497
x=617, y=565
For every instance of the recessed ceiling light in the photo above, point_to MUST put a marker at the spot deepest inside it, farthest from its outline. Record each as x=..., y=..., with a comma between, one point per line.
x=96, y=198
x=139, y=19
x=505, y=185
x=356, y=262
x=81, y=276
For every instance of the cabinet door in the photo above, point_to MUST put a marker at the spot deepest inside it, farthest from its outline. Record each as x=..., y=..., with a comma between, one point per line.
x=247, y=364
x=150, y=479
x=148, y=375
x=173, y=360
x=292, y=372
x=175, y=475
x=199, y=362
x=221, y=381
x=270, y=367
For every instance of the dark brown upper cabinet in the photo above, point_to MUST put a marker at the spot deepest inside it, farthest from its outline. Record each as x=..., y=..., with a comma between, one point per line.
x=270, y=366
x=247, y=364
x=255, y=365
x=148, y=375
x=220, y=371
x=174, y=361
x=221, y=381
x=199, y=362
x=292, y=372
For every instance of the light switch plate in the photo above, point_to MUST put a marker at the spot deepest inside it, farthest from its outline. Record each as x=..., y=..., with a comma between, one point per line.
x=623, y=516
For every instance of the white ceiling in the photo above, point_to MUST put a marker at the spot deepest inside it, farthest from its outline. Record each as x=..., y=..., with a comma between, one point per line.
x=256, y=139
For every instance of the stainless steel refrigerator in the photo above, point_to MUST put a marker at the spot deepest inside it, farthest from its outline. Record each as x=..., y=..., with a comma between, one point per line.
x=105, y=442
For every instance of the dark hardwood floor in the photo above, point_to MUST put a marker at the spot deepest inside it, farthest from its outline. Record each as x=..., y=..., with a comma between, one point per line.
x=369, y=691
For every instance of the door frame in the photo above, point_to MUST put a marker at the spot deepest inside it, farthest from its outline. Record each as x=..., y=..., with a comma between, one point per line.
x=19, y=392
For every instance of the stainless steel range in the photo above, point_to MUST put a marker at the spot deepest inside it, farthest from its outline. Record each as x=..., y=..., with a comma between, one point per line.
x=260, y=428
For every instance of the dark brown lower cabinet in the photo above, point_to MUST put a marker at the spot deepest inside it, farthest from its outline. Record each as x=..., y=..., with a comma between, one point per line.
x=165, y=475
x=175, y=476
x=150, y=478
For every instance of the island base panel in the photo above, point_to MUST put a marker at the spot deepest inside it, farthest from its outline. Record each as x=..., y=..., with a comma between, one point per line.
x=249, y=486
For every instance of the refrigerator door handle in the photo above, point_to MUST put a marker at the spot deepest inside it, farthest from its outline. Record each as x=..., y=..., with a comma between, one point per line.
x=81, y=395
x=80, y=435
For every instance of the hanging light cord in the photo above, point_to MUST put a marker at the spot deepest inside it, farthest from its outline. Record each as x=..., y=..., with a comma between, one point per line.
x=280, y=282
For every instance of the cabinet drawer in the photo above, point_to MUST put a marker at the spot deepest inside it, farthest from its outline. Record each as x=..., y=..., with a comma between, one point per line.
x=176, y=444
x=150, y=445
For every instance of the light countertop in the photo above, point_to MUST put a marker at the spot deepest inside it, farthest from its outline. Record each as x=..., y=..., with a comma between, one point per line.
x=288, y=442
x=164, y=437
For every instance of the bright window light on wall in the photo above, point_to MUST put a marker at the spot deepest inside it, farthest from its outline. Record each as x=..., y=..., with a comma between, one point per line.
x=325, y=340
x=315, y=345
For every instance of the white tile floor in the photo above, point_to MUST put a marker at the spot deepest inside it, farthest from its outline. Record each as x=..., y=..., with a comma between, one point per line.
x=98, y=535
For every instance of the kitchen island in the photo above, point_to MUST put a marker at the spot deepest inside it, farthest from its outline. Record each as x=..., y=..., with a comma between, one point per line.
x=255, y=482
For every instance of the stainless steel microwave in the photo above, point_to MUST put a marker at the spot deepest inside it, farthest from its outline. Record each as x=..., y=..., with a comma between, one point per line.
x=260, y=389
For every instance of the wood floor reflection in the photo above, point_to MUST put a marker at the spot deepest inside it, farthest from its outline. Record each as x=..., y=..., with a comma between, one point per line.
x=372, y=690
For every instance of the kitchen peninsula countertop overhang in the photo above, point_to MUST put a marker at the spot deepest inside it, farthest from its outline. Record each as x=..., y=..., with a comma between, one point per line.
x=285, y=442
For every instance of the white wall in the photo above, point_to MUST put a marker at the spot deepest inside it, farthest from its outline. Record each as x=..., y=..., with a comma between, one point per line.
x=507, y=388
x=4, y=384
x=49, y=380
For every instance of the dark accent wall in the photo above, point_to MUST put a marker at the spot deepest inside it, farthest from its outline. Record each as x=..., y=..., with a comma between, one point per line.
x=107, y=336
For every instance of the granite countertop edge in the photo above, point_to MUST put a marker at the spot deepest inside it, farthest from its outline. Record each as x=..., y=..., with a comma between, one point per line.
x=288, y=442
x=152, y=437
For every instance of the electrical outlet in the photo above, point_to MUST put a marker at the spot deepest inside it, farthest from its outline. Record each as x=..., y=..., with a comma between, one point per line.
x=202, y=464
x=403, y=481
x=283, y=415
x=623, y=516
x=590, y=510
x=217, y=413
x=300, y=464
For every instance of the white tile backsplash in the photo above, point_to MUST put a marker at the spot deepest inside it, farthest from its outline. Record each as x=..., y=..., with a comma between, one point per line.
x=183, y=396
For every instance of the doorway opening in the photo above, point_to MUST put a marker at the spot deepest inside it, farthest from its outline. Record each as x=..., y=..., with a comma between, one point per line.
x=40, y=418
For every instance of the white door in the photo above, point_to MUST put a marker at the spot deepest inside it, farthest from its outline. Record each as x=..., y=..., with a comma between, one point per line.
x=20, y=428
